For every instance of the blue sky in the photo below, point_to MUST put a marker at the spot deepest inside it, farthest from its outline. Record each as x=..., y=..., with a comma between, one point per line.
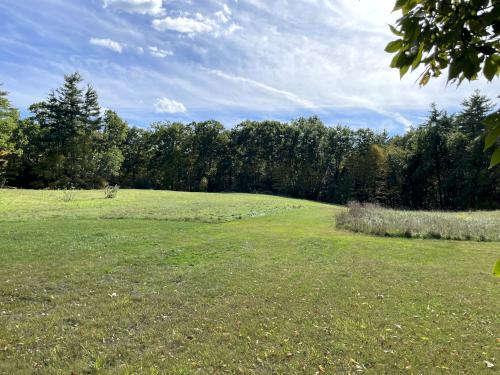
x=228, y=60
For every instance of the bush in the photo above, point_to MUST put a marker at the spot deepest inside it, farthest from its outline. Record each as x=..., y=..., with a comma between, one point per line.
x=373, y=219
x=204, y=184
x=110, y=192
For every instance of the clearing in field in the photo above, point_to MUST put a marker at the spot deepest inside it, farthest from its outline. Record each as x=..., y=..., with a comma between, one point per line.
x=182, y=283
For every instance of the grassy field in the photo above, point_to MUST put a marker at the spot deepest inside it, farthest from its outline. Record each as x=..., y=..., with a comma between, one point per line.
x=182, y=283
x=373, y=219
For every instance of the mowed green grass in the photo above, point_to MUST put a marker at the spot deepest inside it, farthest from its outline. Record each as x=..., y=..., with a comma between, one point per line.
x=156, y=282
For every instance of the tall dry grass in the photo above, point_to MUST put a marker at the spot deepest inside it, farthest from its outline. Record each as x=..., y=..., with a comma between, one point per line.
x=373, y=219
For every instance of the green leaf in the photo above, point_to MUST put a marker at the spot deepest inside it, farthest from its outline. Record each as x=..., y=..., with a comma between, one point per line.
x=492, y=136
x=412, y=29
x=456, y=67
x=479, y=3
x=409, y=5
x=418, y=58
x=495, y=159
x=496, y=269
x=476, y=26
x=394, y=46
x=397, y=60
x=492, y=120
x=395, y=31
x=471, y=65
x=399, y=4
x=403, y=70
x=490, y=69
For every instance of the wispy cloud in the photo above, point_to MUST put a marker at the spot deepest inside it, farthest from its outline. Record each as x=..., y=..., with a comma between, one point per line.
x=183, y=25
x=158, y=52
x=151, y=7
x=107, y=43
x=262, y=86
x=223, y=59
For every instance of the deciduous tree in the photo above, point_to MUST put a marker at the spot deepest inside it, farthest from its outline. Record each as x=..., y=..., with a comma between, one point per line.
x=462, y=36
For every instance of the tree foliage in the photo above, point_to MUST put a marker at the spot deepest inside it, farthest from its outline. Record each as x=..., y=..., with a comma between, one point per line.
x=9, y=121
x=69, y=141
x=462, y=36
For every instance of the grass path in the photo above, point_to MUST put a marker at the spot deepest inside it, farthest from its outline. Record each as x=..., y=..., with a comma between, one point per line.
x=278, y=291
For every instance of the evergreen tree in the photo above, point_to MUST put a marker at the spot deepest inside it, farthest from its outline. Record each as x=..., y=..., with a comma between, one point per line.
x=475, y=182
x=70, y=123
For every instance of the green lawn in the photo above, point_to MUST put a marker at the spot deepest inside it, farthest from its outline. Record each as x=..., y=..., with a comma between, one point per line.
x=179, y=283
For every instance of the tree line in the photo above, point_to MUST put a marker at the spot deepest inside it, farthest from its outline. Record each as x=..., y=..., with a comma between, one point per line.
x=69, y=141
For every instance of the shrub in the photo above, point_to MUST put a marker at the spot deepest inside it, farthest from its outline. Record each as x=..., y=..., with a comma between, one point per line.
x=204, y=184
x=110, y=192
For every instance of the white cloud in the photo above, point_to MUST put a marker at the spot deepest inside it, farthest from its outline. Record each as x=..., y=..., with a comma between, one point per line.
x=232, y=28
x=151, y=7
x=107, y=43
x=166, y=105
x=158, y=52
x=294, y=57
x=183, y=25
x=222, y=17
x=197, y=23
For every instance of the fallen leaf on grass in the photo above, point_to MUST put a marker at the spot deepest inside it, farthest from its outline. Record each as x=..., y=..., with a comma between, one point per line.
x=489, y=364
